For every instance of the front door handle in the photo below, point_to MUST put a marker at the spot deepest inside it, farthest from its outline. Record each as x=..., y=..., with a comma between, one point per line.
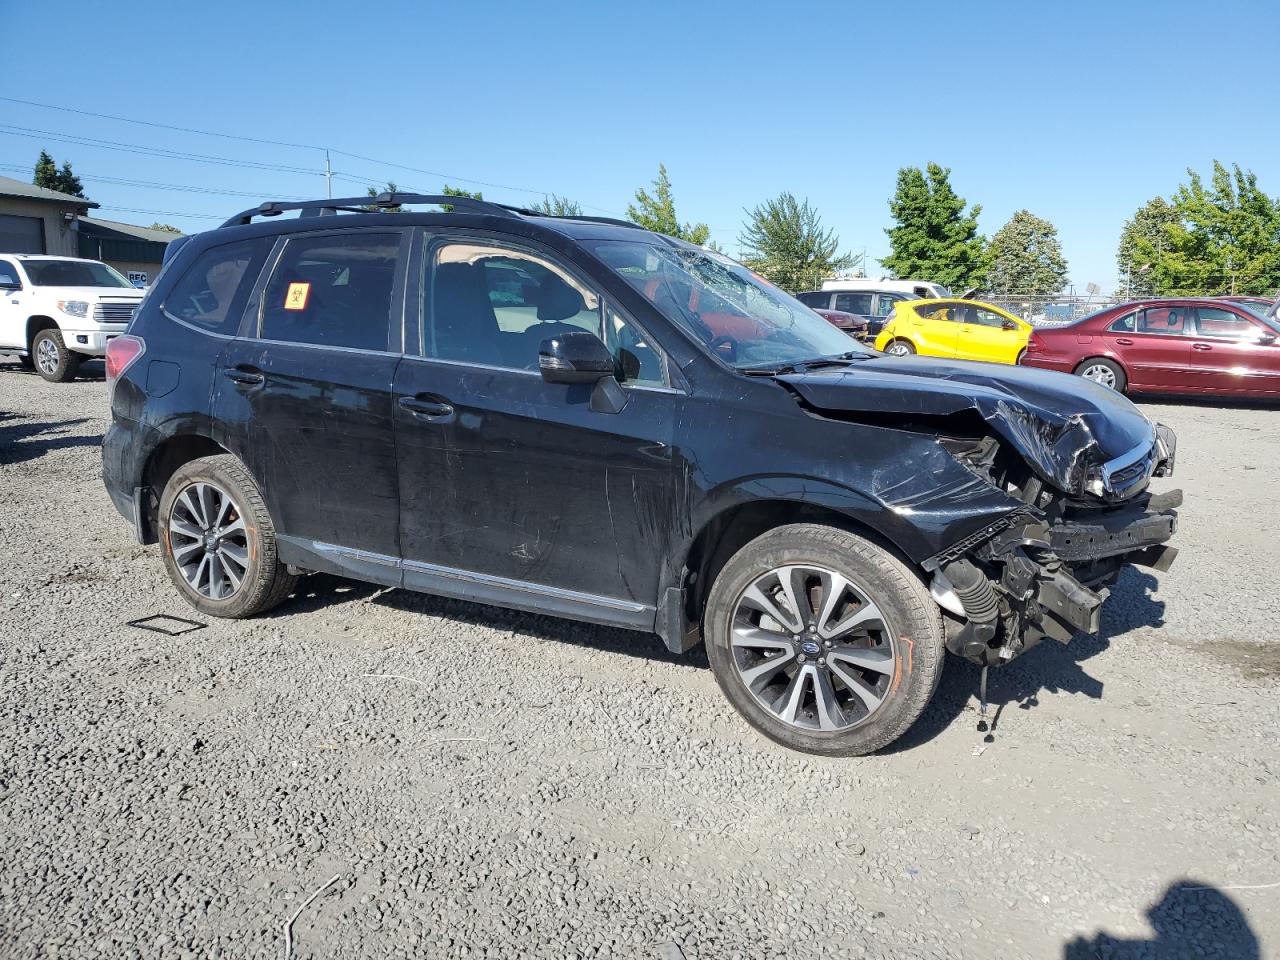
x=248, y=377
x=1124, y=341
x=429, y=408
x=1201, y=346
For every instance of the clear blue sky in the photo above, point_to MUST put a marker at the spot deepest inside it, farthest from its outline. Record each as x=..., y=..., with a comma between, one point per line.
x=1077, y=112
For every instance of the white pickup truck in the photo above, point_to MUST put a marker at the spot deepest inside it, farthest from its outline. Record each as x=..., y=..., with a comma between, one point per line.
x=56, y=311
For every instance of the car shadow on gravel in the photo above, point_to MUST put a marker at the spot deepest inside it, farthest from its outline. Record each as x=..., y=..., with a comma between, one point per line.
x=23, y=440
x=1050, y=666
x=1191, y=919
x=320, y=590
x=89, y=370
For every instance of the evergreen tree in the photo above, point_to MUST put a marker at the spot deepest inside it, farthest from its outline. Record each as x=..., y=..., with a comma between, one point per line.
x=934, y=238
x=558, y=206
x=1025, y=257
x=48, y=175
x=783, y=240
x=658, y=212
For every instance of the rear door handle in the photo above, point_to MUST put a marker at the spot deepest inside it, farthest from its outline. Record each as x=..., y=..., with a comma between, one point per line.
x=1201, y=346
x=427, y=407
x=248, y=377
x=1124, y=341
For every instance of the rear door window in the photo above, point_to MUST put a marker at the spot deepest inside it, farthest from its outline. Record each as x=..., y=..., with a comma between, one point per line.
x=819, y=300
x=334, y=290
x=1164, y=321
x=211, y=294
x=859, y=303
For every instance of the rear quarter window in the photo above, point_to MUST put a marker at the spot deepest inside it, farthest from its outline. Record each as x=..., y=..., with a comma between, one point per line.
x=211, y=293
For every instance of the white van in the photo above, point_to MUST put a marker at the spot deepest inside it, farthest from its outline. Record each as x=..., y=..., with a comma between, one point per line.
x=921, y=289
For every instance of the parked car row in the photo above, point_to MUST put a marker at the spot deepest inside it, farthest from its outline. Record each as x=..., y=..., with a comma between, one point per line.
x=1208, y=345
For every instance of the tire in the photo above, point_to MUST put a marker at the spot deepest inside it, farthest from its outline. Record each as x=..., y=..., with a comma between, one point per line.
x=52, y=360
x=903, y=647
x=242, y=574
x=900, y=348
x=1103, y=371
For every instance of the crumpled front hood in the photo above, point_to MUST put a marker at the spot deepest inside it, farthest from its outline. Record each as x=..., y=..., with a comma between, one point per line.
x=1061, y=424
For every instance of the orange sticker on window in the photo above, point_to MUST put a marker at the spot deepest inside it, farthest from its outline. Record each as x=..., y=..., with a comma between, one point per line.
x=296, y=297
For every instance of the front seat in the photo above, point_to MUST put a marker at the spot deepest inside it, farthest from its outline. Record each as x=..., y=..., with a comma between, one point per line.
x=463, y=324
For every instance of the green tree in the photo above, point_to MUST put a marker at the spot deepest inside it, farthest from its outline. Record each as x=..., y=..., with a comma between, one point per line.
x=1146, y=230
x=165, y=227
x=1025, y=257
x=1224, y=239
x=783, y=240
x=558, y=206
x=934, y=238
x=48, y=175
x=657, y=212
x=374, y=192
x=449, y=191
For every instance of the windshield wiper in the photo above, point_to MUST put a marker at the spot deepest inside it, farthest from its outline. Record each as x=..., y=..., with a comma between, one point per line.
x=799, y=366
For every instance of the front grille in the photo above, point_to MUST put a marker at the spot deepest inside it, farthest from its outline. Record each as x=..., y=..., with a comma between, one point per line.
x=1124, y=479
x=109, y=312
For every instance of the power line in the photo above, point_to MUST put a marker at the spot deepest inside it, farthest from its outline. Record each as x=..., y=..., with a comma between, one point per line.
x=150, y=185
x=161, y=126
x=34, y=134
x=166, y=213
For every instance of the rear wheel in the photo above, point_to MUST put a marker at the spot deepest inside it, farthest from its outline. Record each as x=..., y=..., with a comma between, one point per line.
x=900, y=348
x=823, y=641
x=1103, y=371
x=53, y=360
x=218, y=542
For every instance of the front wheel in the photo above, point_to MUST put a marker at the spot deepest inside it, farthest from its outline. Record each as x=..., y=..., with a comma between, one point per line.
x=218, y=541
x=823, y=641
x=53, y=361
x=900, y=348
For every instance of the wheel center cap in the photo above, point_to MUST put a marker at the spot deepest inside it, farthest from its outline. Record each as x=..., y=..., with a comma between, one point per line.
x=210, y=541
x=810, y=648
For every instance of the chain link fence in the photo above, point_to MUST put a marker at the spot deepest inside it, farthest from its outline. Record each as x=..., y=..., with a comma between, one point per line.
x=1048, y=310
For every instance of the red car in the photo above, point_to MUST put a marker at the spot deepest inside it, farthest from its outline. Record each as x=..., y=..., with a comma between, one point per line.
x=850, y=323
x=1188, y=346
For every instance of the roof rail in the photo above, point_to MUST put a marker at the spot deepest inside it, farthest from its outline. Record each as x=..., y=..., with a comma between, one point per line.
x=526, y=211
x=383, y=201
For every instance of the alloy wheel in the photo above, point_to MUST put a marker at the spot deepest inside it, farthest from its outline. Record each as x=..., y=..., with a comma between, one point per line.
x=813, y=648
x=209, y=540
x=898, y=349
x=1100, y=373
x=47, y=357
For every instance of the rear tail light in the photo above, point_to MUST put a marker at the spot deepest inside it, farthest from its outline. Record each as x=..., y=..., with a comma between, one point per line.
x=1033, y=344
x=122, y=353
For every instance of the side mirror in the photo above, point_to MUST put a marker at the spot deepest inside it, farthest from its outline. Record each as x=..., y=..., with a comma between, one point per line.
x=1008, y=325
x=1267, y=339
x=578, y=357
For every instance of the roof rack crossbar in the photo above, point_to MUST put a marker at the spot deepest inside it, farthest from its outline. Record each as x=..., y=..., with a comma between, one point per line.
x=567, y=216
x=384, y=201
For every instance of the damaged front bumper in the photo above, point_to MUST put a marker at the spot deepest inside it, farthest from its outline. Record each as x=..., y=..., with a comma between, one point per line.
x=1043, y=576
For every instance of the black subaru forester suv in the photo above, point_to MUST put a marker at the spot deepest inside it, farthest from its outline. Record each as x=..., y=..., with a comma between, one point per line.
x=578, y=417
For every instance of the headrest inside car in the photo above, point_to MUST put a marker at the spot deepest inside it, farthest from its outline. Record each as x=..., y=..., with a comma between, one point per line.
x=557, y=300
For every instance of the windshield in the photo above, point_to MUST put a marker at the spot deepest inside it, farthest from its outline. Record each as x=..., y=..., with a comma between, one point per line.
x=737, y=316
x=73, y=273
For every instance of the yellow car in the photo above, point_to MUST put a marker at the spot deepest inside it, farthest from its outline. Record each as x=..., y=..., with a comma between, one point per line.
x=960, y=329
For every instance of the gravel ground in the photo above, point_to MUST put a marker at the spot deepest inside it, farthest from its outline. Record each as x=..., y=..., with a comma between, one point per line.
x=490, y=784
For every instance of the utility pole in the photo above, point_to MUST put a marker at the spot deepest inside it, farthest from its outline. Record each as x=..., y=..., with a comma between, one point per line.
x=328, y=177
